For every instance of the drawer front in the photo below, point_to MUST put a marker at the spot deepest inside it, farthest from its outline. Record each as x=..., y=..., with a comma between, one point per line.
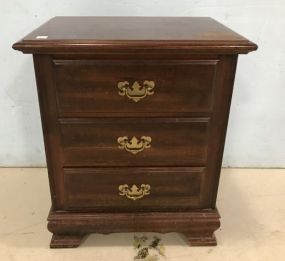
x=133, y=189
x=135, y=142
x=90, y=86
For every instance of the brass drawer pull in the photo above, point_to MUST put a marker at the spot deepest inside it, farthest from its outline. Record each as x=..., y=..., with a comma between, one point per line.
x=136, y=92
x=134, y=192
x=134, y=146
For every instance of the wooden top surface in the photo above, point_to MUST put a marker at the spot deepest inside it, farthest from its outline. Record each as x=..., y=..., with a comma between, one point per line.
x=79, y=34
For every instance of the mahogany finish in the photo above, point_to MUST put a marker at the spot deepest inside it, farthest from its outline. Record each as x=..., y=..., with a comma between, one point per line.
x=175, y=189
x=97, y=81
x=93, y=142
x=134, y=34
x=134, y=114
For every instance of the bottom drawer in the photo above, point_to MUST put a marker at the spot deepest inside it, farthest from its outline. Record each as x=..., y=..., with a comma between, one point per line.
x=133, y=189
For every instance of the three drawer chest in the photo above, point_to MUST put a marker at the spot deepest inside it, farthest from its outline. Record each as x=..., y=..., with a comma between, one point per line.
x=134, y=113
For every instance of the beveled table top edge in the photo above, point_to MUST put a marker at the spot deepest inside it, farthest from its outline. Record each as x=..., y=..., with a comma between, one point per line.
x=90, y=46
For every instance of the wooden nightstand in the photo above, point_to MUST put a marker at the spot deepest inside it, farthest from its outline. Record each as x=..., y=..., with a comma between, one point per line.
x=134, y=114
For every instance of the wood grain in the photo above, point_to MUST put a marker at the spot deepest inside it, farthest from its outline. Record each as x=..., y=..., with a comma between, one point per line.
x=93, y=142
x=192, y=62
x=172, y=189
x=198, y=226
x=100, y=34
x=91, y=86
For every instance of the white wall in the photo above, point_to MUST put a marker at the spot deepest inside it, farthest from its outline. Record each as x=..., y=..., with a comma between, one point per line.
x=256, y=133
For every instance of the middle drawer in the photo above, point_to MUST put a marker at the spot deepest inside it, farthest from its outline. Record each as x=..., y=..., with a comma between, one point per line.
x=135, y=141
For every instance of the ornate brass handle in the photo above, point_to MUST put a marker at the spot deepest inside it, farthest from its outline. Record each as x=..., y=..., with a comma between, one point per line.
x=134, y=192
x=136, y=92
x=134, y=146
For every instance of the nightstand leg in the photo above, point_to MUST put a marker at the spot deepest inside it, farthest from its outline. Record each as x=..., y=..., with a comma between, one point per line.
x=208, y=239
x=66, y=241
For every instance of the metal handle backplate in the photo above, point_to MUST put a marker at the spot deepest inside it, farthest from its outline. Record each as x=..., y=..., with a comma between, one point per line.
x=134, y=192
x=136, y=91
x=134, y=145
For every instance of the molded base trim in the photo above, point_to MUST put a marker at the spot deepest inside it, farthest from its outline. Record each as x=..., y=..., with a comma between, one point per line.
x=69, y=228
x=202, y=239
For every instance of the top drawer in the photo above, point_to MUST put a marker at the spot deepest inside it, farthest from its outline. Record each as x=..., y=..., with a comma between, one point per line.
x=134, y=86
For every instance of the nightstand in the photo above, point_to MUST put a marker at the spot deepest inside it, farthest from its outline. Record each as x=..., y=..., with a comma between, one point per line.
x=134, y=114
